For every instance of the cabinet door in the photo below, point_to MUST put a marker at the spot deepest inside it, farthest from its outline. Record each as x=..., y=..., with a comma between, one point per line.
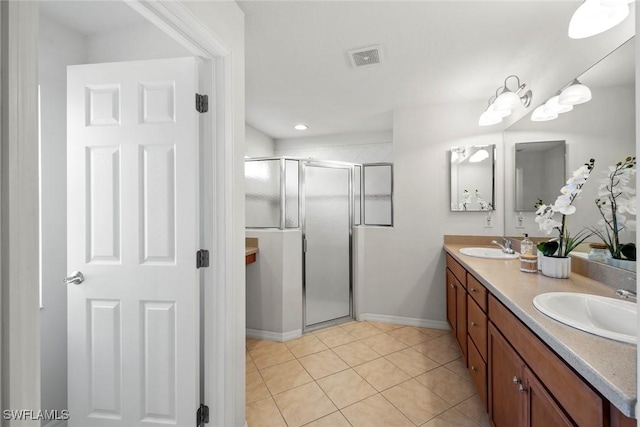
x=540, y=409
x=451, y=300
x=461, y=322
x=506, y=371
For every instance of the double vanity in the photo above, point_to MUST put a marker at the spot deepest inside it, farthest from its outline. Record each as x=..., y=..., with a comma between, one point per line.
x=528, y=368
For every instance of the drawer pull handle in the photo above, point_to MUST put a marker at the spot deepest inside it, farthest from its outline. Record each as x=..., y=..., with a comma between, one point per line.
x=516, y=380
x=521, y=388
x=452, y=285
x=473, y=323
x=473, y=368
x=474, y=290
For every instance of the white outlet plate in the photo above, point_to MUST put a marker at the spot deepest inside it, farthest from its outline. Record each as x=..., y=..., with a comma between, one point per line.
x=488, y=221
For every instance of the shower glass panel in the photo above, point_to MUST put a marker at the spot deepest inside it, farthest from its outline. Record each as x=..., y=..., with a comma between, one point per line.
x=378, y=190
x=357, y=180
x=292, y=194
x=263, y=195
x=327, y=233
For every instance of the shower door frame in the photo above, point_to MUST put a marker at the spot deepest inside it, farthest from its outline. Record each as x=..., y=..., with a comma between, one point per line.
x=303, y=227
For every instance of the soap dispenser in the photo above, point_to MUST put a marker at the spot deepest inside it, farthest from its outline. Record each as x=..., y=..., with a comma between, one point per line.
x=528, y=258
x=526, y=246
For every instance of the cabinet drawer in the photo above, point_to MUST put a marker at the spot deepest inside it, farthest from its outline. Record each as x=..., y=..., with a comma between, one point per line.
x=477, y=291
x=457, y=270
x=576, y=397
x=477, y=326
x=478, y=372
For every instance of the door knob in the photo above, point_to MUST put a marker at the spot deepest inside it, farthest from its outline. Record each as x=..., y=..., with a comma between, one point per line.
x=76, y=278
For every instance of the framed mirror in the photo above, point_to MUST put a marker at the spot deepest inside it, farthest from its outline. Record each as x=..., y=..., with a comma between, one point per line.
x=472, y=180
x=540, y=172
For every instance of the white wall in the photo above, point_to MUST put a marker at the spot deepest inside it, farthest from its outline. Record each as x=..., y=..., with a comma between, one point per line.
x=363, y=147
x=58, y=47
x=150, y=43
x=258, y=144
x=402, y=276
x=602, y=129
x=274, y=285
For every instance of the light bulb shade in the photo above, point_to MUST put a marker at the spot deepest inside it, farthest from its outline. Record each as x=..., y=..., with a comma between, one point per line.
x=488, y=118
x=506, y=101
x=502, y=113
x=553, y=106
x=479, y=156
x=593, y=18
x=575, y=94
x=614, y=3
x=542, y=114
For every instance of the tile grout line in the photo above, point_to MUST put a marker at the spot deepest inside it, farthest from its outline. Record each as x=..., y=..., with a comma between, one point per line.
x=349, y=367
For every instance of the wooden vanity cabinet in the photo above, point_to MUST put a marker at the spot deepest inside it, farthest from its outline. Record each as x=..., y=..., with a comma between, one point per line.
x=584, y=406
x=516, y=396
x=457, y=302
x=506, y=369
x=519, y=379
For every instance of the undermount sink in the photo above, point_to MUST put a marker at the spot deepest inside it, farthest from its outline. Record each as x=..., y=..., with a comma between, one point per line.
x=607, y=317
x=491, y=253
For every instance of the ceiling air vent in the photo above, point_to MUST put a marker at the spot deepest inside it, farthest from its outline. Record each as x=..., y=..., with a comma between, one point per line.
x=366, y=56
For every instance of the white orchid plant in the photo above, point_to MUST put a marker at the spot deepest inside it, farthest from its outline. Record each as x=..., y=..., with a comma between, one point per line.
x=466, y=201
x=484, y=206
x=616, y=199
x=545, y=215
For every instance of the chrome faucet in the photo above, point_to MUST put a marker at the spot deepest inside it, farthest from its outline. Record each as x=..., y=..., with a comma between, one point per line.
x=625, y=294
x=506, y=247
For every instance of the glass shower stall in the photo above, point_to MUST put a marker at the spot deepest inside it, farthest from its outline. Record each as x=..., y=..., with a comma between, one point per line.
x=322, y=199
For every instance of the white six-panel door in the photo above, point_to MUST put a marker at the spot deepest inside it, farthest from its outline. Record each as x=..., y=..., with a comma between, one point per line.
x=133, y=324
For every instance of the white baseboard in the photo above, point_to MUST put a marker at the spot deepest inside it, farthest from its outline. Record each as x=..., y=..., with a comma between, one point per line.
x=56, y=423
x=409, y=321
x=274, y=336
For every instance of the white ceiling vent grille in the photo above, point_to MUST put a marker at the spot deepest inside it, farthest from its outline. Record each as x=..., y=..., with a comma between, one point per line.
x=366, y=56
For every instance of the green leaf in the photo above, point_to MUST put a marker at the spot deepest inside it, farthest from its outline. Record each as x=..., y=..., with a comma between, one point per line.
x=548, y=248
x=629, y=251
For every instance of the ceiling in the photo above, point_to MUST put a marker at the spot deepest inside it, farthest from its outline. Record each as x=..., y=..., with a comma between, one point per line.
x=92, y=17
x=434, y=52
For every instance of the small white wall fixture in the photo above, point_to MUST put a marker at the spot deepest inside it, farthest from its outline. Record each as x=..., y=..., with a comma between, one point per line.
x=19, y=299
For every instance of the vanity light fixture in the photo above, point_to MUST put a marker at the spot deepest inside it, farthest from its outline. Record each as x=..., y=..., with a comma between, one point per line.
x=508, y=100
x=574, y=94
x=597, y=16
x=505, y=102
x=541, y=114
x=301, y=127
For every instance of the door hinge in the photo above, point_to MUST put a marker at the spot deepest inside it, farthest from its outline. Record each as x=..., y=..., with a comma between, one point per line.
x=202, y=415
x=202, y=258
x=202, y=103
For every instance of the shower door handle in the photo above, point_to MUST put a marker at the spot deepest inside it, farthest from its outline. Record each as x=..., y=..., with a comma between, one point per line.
x=304, y=246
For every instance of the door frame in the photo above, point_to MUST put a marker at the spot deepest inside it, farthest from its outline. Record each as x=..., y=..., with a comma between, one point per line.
x=19, y=217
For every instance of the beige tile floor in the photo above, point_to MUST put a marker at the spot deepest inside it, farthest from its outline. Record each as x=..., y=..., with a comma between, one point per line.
x=361, y=374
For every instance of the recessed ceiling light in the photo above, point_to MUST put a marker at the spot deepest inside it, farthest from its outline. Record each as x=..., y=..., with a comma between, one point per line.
x=301, y=127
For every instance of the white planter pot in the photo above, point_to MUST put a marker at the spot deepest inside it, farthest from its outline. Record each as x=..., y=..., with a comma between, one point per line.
x=622, y=263
x=559, y=268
